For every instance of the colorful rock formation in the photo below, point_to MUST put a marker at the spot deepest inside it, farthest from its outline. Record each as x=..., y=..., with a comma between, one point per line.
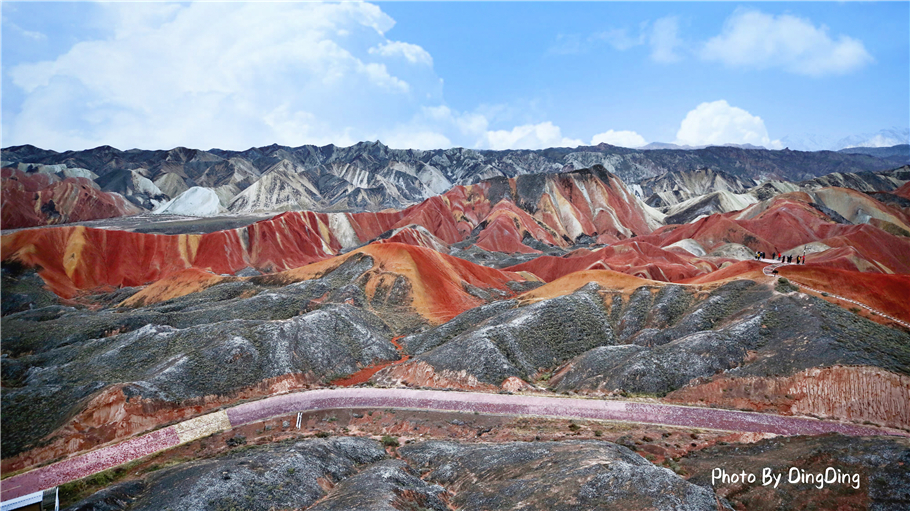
x=31, y=200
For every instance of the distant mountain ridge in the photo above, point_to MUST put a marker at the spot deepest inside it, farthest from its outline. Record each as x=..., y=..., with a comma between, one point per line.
x=899, y=154
x=372, y=176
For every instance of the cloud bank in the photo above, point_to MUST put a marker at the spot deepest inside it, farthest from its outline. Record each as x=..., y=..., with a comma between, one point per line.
x=752, y=39
x=619, y=138
x=749, y=39
x=235, y=75
x=718, y=123
x=216, y=75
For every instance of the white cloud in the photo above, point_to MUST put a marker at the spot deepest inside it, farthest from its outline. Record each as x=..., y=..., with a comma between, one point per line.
x=528, y=136
x=30, y=34
x=425, y=140
x=757, y=40
x=412, y=52
x=718, y=123
x=664, y=40
x=238, y=75
x=619, y=38
x=225, y=75
x=568, y=44
x=619, y=138
x=433, y=126
x=439, y=113
x=748, y=39
x=380, y=76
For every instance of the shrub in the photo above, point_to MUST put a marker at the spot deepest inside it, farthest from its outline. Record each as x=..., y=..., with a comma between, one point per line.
x=390, y=441
x=236, y=440
x=784, y=286
x=674, y=466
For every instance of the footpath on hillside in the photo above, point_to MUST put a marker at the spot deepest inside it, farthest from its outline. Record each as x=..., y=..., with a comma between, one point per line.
x=771, y=271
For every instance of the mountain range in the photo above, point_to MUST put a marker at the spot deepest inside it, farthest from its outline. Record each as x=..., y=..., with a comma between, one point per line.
x=537, y=273
x=370, y=176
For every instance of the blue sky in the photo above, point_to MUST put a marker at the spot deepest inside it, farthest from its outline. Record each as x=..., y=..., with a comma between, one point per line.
x=427, y=75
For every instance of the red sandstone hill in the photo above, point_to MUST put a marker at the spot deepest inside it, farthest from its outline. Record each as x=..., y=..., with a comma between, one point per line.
x=903, y=191
x=884, y=292
x=78, y=258
x=502, y=213
x=437, y=285
x=632, y=257
x=783, y=223
x=30, y=200
x=852, y=230
x=789, y=221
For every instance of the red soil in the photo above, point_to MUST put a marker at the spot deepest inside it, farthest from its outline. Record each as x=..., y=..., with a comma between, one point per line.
x=419, y=238
x=503, y=235
x=903, y=191
x=182, y=283
x=748, y=269
x=30, y=200
x=887, y=293
x=633, y=257
x=506, y=227
x=420, y=374
x=437, y=280
x=570, y=283
x=436, y=216
x=859, y=394
x=75, y=259
x=878, y=250
x=788, y=221
x=366, y=373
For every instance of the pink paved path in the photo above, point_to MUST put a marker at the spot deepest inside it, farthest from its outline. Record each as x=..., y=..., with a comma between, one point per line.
x=246, y=413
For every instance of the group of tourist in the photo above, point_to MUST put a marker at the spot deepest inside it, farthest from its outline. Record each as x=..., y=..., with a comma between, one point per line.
x=781, y=257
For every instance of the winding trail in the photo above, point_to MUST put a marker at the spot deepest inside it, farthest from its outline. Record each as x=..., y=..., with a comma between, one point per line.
x=774, y=265
x=134, y=448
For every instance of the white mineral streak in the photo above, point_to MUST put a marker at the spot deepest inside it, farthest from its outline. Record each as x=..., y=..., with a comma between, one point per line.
x=564, y=211
x=341, y=227
x=689, y=245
